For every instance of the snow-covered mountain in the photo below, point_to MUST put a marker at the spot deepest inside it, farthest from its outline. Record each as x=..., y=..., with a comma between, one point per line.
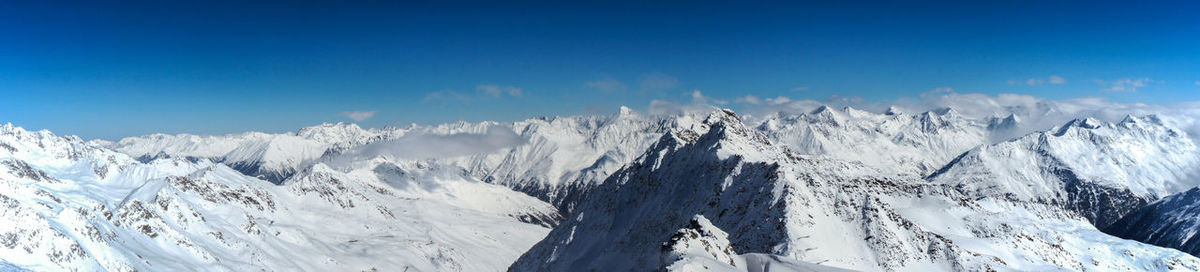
x=894, y=141
x=567, y=156
x=823, y=190
x=1101, y=170
x=71, y=205
x=564, y=156
x=273, y=157
x=719, y=192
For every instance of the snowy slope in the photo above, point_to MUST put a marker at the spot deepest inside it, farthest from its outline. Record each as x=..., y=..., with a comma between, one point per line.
x=1101, y=170
x=71, y=205
x=727, y=185
x=1170, y=222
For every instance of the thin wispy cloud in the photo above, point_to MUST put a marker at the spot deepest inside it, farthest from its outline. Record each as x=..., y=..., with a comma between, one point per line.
x=800, y=89
x=748, y=99
x=498, y=91
x=358, y=116
x=446, y=96
x=699, y=97
x=939, y=90
x=481, y=92
x=658, y=81
x=607, y=85
x=1052, y=80
x=699, y=103
x=1125, y=84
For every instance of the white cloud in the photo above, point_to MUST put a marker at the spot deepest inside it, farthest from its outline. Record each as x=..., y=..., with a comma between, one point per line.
x=1053, y=80
x=1125, y=84
x=700, y=98
x=498, y=91
x=358, y=116
x=749, y=99
x=658, y=81
x=491, y=90
x=1197, y=83
x=801, y=88
x=607, y=85
x=699, y=104
x=446, y=96
x=939, y=90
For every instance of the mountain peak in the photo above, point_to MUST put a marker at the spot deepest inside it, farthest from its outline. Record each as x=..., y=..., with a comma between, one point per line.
x=722, y=116
x=1010, y=122
x=1129, y=118
x=1088, y=123
x=893, y=110
x=947, y=111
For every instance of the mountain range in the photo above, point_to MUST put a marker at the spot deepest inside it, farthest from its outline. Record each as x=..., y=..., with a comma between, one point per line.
x=823, y=190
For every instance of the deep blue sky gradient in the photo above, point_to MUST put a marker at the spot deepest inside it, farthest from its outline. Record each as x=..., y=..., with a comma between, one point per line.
x=104, y=70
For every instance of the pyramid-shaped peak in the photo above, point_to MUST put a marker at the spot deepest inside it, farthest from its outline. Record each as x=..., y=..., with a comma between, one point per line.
x=822, y=109
x=1009, y=122
x=944, y=111
x=722, y=116
x=1129, y=119
x=1011, y=118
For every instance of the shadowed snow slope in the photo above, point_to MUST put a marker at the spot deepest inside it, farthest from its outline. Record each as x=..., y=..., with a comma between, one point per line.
x=1170, y=222
x=718, y=192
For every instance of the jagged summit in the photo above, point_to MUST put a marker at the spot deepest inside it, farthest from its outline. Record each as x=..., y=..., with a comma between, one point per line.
x=1011, y=122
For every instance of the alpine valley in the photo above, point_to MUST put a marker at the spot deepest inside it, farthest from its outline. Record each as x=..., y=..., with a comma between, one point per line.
x=825, y=189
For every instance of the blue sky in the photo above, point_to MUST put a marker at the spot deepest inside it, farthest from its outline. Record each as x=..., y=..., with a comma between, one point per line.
x=110, y=71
